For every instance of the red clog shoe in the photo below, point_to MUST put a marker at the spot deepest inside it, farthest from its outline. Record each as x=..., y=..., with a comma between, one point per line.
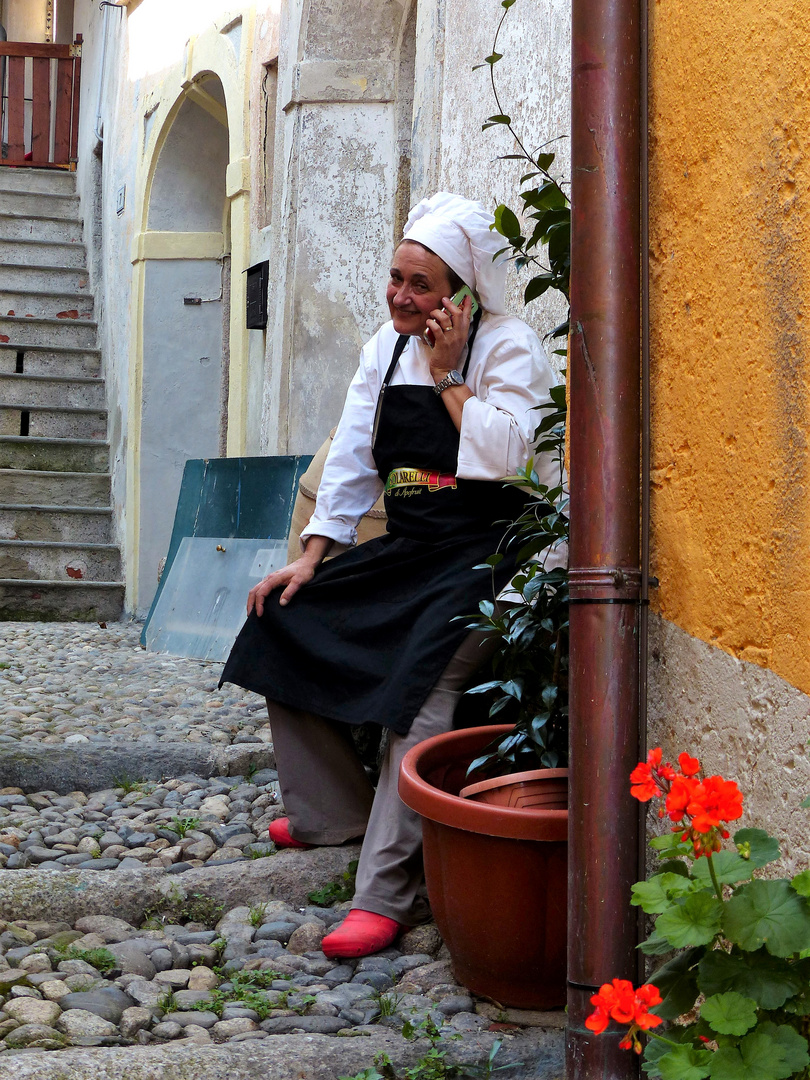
x=280, y=835
x=360, y=934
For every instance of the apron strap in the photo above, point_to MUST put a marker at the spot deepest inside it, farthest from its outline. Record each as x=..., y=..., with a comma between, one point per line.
x=402, y=341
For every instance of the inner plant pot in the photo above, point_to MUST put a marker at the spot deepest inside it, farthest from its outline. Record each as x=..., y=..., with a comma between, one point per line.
x=496, y=876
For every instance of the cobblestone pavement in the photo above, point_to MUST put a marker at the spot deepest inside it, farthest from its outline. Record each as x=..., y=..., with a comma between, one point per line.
x=66, y=682
x=193, y=971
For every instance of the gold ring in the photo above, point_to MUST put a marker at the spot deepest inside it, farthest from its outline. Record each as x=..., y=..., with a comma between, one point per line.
x=447, y=329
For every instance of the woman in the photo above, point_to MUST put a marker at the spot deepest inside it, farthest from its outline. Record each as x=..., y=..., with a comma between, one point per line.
x=439, y=412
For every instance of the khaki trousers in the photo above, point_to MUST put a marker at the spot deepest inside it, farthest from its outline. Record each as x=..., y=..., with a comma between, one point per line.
x=329, y=798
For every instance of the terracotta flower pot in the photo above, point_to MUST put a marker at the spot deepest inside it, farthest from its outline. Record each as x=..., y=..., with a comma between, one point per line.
x=496, y=876
x=535, y=789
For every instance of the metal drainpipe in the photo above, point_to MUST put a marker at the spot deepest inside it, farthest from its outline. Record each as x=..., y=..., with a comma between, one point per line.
x=605, y=576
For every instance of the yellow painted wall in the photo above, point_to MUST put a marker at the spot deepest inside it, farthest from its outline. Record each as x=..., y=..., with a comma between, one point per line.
x=730, y=253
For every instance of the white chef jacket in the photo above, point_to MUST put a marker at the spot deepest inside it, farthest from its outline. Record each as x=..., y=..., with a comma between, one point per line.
x=509, y=374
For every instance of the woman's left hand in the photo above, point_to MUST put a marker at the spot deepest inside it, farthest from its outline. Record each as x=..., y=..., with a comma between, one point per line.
x=449, y=327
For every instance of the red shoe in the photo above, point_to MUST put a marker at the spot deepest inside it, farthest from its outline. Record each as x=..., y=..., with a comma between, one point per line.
x=360, y=934
x=280, y=835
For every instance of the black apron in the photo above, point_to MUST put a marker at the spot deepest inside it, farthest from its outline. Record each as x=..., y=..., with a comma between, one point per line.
x=368, y=637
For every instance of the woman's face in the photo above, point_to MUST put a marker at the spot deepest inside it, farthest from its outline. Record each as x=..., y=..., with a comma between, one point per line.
x=417, y=284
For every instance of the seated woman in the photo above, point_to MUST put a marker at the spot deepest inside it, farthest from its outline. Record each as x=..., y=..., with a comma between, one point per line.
x=439, y=412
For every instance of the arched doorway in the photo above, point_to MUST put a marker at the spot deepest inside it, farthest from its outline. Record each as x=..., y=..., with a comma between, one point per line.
x=184, y=342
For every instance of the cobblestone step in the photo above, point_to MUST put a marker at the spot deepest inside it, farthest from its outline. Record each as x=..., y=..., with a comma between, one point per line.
x=53, y=422
x=76, y=524
x=48, y=560
x=73, y=332
x=32, y=277
x=44, y=391
x=53, y=455
x=47, y=181
x=38, y=252
x=64, y=488
x=60, y=601
x=45, y=302
x=47, y=360
x=41, y=227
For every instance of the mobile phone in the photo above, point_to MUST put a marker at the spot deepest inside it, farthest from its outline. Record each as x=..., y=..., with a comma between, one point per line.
x=458, y=299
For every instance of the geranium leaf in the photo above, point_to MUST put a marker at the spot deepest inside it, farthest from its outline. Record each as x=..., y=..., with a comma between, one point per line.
x=760, y=848
x=728, y=865
x=685, y=1063
x=730, y=1013
x=655, y=945
x=769, y=1053
x=767, y=913
x=695, y=921
x=676, y=982
x=656, y=895
x=670, y=845
x=767, y=979
x=801, y=883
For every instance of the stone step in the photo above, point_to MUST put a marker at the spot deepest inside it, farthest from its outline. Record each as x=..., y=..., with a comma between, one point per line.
x=25, y=391
x=41, y=227
x=60, y=601
x=53, y=422
x=42, y=204
x=47, y=560
x=41, y=252
x=30, y=486
x=46, y=360
x=35, y=278
x=46, y=304
x=56, y=181
x=22, y=453
x=78, y=333
x=69, y=524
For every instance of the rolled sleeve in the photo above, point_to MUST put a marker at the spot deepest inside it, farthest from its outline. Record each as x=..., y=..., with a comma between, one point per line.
x=498, y=423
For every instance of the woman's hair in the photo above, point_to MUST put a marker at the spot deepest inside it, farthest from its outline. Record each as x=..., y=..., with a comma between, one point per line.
x=455, y=281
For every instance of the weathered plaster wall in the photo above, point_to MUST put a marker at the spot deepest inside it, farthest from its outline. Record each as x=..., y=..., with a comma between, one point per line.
x=197, y=52
x=730, y=244
x=379, y=107
x=742, y=721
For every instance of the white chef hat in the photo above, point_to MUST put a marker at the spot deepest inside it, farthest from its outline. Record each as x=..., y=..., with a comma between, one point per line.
x=458, y=231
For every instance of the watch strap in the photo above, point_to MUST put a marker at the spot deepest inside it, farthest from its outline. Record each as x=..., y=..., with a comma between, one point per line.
x=452, y=378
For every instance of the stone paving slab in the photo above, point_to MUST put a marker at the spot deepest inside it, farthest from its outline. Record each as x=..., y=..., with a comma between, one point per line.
x=90, y=766
x=285, y=1057
x=129, y=894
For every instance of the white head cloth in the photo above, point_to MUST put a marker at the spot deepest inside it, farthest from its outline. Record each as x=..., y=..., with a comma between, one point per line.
x=458, y=231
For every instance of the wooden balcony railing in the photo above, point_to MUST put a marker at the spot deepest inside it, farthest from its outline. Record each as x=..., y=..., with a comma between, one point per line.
x=39, y=105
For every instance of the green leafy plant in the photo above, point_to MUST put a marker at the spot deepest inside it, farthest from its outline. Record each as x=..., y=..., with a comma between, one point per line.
x=736, y=993
x=127, y=784
x=101, y=959
x=183, y=825
x=529, y=683
x=387, y=1004
x=336, y=892
x=256, y=914
x=168, y=1002
x=177, y=907
x=433, y=1065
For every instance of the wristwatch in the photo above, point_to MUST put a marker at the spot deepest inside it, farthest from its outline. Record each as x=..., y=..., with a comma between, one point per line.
x=452, y=378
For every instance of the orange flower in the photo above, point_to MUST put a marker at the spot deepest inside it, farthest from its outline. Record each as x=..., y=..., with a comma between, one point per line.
x=617, y=1000
x=714, y=801
x=646, y=779
x=680, y=796
x=690, y=766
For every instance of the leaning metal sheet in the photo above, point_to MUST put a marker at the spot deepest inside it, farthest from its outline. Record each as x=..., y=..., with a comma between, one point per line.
x=202, y=605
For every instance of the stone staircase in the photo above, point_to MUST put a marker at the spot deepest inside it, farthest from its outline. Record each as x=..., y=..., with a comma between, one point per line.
x=57, y=559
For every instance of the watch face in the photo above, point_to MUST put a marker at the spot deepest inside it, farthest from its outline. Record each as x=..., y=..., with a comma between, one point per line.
x=455, y=378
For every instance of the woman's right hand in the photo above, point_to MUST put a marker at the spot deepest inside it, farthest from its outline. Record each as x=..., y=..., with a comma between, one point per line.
x=291, y=577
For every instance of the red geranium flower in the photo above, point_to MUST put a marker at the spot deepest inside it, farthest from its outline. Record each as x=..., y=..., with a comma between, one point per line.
x=617, y=1000
x=714, y=801
x=680, y=796
x=690, y=766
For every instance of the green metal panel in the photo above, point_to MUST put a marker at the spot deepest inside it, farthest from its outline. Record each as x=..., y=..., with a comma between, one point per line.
x=249, y=498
